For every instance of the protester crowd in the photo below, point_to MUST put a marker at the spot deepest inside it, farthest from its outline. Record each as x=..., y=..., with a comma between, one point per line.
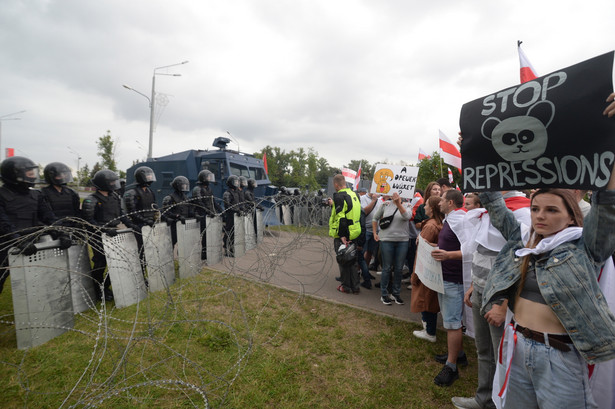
x=532, y=261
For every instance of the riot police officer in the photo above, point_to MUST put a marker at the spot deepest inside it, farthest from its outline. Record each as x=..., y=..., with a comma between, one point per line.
x=241, y=190
x=103, y=210
x=22, y=210
x=140, y=205
x=205, y=204
x=232, y=206
x=63, y=200
x=175, y=207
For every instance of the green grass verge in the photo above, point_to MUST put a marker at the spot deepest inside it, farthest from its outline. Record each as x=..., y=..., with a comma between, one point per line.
x=216, y=340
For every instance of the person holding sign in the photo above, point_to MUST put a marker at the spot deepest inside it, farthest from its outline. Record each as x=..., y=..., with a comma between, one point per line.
x=392, y=218
x=561, y=319
x=424, y=299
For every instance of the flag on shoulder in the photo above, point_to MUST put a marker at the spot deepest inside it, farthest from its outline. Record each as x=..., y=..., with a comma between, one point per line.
x=450, y=153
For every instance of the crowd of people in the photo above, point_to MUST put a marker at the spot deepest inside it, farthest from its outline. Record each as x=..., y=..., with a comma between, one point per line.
x=56, y=210
x=539, y=317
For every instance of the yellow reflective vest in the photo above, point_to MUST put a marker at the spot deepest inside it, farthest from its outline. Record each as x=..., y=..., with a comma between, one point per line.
x=345, y=215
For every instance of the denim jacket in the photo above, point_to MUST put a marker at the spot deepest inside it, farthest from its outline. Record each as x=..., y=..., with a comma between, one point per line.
x=567, y=275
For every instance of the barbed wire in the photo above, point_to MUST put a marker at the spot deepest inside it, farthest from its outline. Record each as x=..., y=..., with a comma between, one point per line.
x=188, y=342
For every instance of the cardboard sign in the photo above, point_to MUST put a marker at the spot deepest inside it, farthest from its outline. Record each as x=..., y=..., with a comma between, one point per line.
x=428, y=269
x=389, y=179
x=549, y=132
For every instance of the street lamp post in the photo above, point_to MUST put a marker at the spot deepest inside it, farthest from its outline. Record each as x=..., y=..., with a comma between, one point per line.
x=7, y=117
x=152, y=100
x=78, y=168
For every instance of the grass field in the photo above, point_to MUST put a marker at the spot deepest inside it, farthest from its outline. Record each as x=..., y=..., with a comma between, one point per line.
x=219, y=341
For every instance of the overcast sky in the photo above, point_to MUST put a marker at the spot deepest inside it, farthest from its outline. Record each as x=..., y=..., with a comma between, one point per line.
x=351, y=79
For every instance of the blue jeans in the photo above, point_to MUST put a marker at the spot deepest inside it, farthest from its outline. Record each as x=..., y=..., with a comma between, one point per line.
x=542, y=376
x=393, y=257
x=431, y=321
x=364, y=269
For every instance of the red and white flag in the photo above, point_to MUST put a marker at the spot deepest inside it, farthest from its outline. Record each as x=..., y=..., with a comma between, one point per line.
x=358, y=178
x=10, y=152
x=423, y=155
x=527, y=71
x=350, y=175
x=265, y=162
x=450, y=153
x=450, y=175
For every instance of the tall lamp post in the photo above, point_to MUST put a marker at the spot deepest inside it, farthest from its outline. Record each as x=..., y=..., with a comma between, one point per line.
x=78, y=168
x=152, y=100
x=7, y=117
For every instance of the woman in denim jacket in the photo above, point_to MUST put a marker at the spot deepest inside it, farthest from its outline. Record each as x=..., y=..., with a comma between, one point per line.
x=562, y=321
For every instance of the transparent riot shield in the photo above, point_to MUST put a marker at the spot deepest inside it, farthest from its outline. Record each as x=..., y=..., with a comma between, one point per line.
x=239, y=244
x=260, y=225
x=42, y=300
x=158, y=251
x=124, y=268
x=250, y=237
x=81, y=283
x=213, y=230
x=288, y=220
x=189, y=248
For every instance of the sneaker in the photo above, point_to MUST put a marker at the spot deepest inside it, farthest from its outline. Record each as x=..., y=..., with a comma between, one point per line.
x=424, y=335
x=373, y=267
x=386, y=300
x=446, y=377
x=465, y=403
x=461, y=361
x=398, y=300
x=338, y=279
x=405, y=281
x=379, y=273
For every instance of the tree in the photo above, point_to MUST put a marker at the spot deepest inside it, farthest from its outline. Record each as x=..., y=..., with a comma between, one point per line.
x=106, y=151
x=432, y=169
x=83, y=176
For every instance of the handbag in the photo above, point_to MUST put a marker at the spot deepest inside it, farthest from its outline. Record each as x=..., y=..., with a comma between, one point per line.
x=385, y=222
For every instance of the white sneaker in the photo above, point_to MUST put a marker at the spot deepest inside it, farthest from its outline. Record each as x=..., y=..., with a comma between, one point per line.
x=424, y=335
x=465, y=403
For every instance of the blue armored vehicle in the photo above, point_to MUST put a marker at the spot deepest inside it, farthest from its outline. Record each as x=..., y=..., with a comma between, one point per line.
x=222, y=162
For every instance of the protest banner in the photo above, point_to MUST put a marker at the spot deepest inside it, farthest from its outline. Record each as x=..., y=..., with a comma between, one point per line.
x=548, y=132
x=389, y=179
x=427, y=268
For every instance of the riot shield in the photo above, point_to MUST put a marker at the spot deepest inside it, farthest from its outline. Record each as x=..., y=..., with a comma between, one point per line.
x=288, y=220
x=158, y=251
x=81, y=283
x=239, y=245
x=250, y=237
x=260, y=225
x=189, y=248
x=124, y=268
x=213, y=230
x=42, y=300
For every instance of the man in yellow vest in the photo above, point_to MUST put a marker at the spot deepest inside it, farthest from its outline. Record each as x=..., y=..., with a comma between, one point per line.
x=344, y=227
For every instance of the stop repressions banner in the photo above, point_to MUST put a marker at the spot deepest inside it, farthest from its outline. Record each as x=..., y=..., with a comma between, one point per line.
x=549, y=132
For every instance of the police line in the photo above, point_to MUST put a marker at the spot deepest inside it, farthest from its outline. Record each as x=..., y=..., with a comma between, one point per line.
x=51, y=285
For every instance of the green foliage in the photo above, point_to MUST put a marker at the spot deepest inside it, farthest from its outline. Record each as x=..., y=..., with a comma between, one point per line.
x=298, y=168
x=432, y=169
x=106, y=151
x=83, y=176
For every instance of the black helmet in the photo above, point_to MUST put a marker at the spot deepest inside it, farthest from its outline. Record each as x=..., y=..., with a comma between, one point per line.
x=181, y=184
x=243, y=181
x=347, y=254
x=206, y=177
x=233, y=182
x=57, y=173
x=251, y=184
x=297, y=192
x=144, y=176
x=106, y=180
x=18, y=170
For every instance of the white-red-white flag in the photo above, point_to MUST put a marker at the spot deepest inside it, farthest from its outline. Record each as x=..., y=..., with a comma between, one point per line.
x=423, y=155
x=350, y=175
x=450, y=153
x=527, y=71
x=358, y=178
x=450, y=175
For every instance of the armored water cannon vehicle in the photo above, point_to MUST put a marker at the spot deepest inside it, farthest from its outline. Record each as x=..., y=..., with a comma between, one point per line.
x=222, y=162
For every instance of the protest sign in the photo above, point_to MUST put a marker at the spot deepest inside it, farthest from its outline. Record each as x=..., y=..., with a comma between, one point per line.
x=427, y=268
x=389, y=179
x=548, y=132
